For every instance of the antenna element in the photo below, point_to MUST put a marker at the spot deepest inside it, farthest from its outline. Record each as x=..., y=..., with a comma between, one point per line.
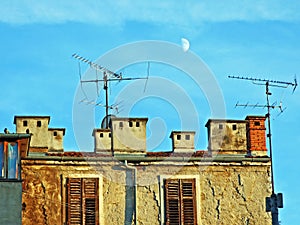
x=108, y=76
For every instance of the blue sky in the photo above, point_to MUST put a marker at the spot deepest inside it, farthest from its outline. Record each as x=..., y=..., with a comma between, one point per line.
x=246, y=38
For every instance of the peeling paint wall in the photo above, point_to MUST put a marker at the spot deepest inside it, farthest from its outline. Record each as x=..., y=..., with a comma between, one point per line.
x=229, y=193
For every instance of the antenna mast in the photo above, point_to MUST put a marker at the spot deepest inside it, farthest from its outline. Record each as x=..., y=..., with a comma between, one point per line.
x=276, y=200
x=107, y=77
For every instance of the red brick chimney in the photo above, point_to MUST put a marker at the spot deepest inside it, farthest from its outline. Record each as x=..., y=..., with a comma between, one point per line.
x=256, y=135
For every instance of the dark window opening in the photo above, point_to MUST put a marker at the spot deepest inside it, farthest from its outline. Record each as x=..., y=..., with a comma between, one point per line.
x=137, y=124
x=180, y=198
x=234, y=127
x=121, y=124
x=178, y=137
x=39, y=123
x=55, y=133
x=130, y=124
x=220, y=126
x=187, y=137
x=257, y=123
x=27, y=131
x=25, y=123
x=109, y=134
x=101, y=135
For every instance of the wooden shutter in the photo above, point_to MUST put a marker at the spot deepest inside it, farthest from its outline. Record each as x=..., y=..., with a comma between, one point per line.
x=74, y=210
x=90, y=201
x=180, y=202
x=188, y=202
x=82, y=201
x=172, y=202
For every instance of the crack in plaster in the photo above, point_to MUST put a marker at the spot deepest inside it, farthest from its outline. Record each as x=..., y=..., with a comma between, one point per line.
x=156, y=200
x=247, y=221
x=218, y=209
x=44, y=205
x=211, y=187
x=241, y=192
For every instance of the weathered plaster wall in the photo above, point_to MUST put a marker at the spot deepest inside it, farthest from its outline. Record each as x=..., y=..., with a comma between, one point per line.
x=44, y=191
x=229, y=193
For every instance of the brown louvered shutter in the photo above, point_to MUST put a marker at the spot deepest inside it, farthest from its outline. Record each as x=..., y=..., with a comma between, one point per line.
x=74, y=215
x=172, y=202
x=188, y=202
x=90, y=201
x=82, y=201
x=180, y=202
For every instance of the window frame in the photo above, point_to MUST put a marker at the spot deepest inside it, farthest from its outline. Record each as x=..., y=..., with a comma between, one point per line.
x=6, y=160
x=64, y=195
x=162, y=179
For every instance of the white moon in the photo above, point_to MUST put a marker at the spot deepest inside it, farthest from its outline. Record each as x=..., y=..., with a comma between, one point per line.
x=185, y=44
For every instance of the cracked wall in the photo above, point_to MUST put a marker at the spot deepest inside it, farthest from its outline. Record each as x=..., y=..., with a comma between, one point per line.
x=229, y=193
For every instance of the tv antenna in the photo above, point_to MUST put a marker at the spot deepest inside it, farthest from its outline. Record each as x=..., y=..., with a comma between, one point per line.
x=276, y=200
x=108, y=76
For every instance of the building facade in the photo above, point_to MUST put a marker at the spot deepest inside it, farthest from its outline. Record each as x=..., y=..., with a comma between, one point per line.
x=119, y=182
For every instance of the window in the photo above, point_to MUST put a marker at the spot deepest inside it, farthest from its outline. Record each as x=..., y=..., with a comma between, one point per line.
x=82, y=201
x=178, y=137
x=180, y=198
x=39, y=123
x=9, y=160
x=130, y=124
x=257, y=123
x=234, y=127
x=25, y=123
x=220, y=126
x=137, y=124
x=101, y=135
x=55, y=133
x=187, y=137
x=121, y=124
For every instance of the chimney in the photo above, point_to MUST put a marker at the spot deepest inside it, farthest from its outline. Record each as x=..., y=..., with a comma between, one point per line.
x=128, y=135
x=43, y=138
x=56, y=139
x=102, y=141
x=183, y=141
x=256, y=135
x=227, y=136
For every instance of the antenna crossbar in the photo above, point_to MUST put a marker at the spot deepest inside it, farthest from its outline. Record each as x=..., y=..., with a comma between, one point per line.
x=96, y=66
x=283, y=83
x=112, y=79
x=273, y=106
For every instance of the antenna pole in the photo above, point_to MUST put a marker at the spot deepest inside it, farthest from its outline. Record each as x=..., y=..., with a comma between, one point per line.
x=106, y=99
x=269, y=135
x=275, y=201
